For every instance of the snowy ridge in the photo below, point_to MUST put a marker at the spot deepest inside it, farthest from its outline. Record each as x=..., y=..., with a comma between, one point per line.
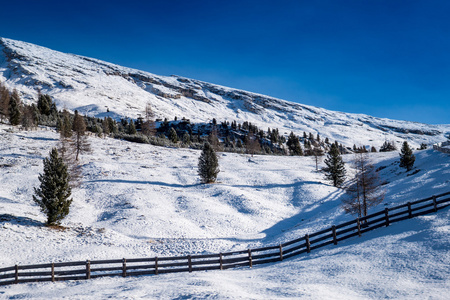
x=94, y=87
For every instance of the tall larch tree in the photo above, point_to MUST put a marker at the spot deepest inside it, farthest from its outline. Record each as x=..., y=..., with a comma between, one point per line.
x=80, y=143
x=364, y=192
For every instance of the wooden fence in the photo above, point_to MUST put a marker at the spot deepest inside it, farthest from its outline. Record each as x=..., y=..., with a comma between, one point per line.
x=442, y=147
x=159, y=265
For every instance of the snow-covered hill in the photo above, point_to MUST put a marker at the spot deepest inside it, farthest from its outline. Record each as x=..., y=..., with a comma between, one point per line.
x=142, y=201
x=94, y=87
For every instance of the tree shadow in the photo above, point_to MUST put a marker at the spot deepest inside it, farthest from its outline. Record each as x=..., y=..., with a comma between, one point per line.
x=174, y=185
x=24, y=221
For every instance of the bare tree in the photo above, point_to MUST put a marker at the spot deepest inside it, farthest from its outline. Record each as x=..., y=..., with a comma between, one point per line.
x=213, y=139
x=364, y=191
x=252, y=144
x=28, y=118
x=80, y=143
x=317, y=155
x=149, y=125
x=68, y=156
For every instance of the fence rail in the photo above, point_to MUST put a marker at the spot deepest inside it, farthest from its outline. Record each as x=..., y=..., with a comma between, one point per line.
x=88, y=269
x=442, y=147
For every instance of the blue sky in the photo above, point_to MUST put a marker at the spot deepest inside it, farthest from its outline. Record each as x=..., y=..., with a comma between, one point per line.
x=383, y=58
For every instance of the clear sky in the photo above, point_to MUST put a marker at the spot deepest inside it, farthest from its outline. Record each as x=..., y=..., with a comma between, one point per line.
x=383, y=58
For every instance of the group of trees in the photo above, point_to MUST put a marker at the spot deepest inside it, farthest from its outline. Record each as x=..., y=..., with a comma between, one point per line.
x=62, y=171
x=364, y=188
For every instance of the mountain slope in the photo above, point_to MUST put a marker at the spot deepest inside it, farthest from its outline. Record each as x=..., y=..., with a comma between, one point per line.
x=94, y=87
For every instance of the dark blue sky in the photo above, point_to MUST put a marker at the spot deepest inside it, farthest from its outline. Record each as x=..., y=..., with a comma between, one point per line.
x=383, y=58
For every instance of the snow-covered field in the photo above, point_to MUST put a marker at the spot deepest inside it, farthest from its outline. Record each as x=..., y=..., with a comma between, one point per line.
x=144, y=201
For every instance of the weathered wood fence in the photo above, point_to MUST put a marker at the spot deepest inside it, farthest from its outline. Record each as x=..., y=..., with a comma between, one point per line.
x=441, y=147
x=78, y=270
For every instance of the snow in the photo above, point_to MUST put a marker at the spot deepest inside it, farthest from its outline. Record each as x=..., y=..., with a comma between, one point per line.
x=94, y=87
x=143, y=201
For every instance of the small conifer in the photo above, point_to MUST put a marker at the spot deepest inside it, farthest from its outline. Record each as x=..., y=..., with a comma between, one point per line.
x=208, y=164
x=407, y=157
x=53, y=194
x=335, y=169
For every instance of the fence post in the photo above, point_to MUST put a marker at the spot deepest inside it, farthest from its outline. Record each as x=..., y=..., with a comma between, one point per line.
x=53, y=272
x=16, y=269
x=190, y=263
x=221, y=261
x=124, y=268
x=409, y=210
x=333, y=228
x=386, y=214
x=88, y=269
x=308, y=245
x=156, y=265
x=281, y=252
x=250, y=261
x=435, y=204
x=358, y=222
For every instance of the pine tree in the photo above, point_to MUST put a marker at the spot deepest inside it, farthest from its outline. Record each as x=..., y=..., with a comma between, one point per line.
x=4, y=102
x=53, y=194
x=208, y=164
x=388, y=146
x=131, y=128
x=44, y=104
x=66, y=125
x=407, y=157
x=335, y=169
x=293, y=144
x=15, y=114
x=173, y=137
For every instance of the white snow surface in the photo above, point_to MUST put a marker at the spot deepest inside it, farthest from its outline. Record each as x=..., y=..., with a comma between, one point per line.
x=100, y=89
x=144, y=201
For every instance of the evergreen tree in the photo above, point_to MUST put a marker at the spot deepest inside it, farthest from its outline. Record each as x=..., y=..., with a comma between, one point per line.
x=186, y=138
x=335, y=169
x=388, y=146
x=293, y=144
x=131, y=128
x=208, y=164
x=15, y=114
x=4, y=102
x=407, y=157
x=65, y=125
x=105, y=127
x=44, y=104
x=53, y=194
x=173, y=137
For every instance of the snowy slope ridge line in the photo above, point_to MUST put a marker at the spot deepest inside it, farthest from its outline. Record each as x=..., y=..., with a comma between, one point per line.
x=102, y=89
x=126, y=267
